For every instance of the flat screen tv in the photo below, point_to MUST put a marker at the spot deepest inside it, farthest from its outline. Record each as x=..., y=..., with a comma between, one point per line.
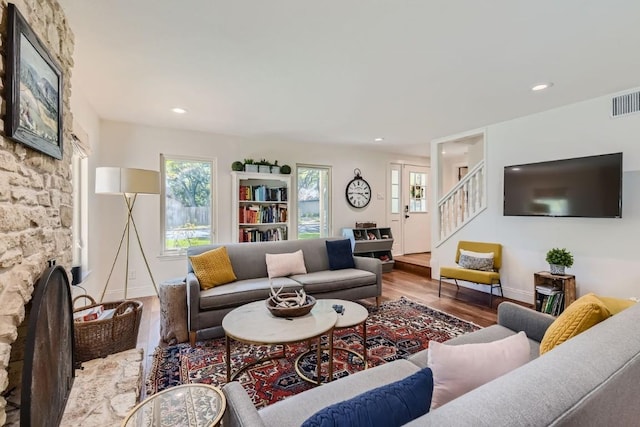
x=581, y=187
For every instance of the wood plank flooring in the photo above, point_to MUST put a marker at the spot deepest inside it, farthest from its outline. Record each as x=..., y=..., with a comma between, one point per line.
x=467, y=304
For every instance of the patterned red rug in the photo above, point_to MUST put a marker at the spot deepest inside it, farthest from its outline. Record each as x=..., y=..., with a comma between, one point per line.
x=396, y=330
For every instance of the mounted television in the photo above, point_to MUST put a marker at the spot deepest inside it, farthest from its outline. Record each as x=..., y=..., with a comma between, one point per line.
x=581, y=187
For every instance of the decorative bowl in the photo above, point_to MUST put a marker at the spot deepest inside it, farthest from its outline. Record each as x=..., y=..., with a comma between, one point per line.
x=290, y=311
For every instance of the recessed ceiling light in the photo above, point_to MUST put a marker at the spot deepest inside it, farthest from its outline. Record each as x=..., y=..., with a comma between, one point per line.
x=541, y=86
x=179, y=110
x=444, y=152
x=515, y=169
x=378, y=139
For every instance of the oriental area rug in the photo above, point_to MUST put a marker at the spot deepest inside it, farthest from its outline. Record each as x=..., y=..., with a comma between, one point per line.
x=395, y=330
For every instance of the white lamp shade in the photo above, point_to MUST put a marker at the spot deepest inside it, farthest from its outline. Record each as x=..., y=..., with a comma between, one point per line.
x=110, y=180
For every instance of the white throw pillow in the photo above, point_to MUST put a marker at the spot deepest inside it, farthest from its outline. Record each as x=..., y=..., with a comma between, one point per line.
x=458, y=369
x=280, y=265
x=476, y=254
x=482, y=261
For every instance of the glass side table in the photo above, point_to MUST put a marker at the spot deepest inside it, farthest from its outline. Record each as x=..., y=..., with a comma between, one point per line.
x=197, y=405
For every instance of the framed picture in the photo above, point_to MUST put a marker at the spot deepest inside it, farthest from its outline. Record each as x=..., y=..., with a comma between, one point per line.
x=34, y=90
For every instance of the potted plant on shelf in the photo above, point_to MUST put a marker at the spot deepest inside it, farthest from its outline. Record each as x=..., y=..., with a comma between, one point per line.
x=275, y=168
x=237, y=166
x=558, y=259
x=249, y=166
x=285, y=169
x=264, y=166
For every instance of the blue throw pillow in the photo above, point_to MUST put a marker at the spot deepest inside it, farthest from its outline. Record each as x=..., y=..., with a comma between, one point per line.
x=391, y=405
x=340, y=255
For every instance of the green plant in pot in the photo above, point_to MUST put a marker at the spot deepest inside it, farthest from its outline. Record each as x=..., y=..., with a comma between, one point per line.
x=558, y=259
x=264, y=166
x=249, y=166
x=237, y=166
x=285, y=169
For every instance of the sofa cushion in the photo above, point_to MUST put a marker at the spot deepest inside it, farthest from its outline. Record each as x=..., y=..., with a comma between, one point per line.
x=469, y=275
x=243, y=291
x=340, y=254
x=392, y=404
x=280, y=265
x=213, y=268
x=579, y=316
x=294, y=411
x=333, y=280
x=458, y=369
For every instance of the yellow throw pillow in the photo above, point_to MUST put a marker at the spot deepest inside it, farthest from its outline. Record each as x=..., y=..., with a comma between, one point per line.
x=585, y=312
x=616, y=305
x=213, y=268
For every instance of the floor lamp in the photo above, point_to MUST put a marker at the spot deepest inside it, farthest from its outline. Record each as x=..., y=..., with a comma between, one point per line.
x=129, y=183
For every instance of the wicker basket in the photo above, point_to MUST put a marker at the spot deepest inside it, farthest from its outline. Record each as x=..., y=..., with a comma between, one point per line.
x=99, y=338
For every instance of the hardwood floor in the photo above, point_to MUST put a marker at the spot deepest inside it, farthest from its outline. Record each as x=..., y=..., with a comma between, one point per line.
x=467, y=304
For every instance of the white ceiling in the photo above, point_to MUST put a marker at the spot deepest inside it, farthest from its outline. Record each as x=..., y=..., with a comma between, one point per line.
x=347, y=71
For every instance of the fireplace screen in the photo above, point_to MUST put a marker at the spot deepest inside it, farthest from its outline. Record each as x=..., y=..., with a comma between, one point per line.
x=48, y=371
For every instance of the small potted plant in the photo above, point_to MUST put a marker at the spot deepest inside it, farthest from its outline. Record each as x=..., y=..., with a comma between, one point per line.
x=558, y=259
x=285, y=169
x=249, y=166
x=237, y=166
x=275, y=168
x=264, y=166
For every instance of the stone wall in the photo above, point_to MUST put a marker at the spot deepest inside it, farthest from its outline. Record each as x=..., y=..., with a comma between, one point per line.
x=35, y=189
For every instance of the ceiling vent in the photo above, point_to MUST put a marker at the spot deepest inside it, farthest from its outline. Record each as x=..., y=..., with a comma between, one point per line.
x=625, y=104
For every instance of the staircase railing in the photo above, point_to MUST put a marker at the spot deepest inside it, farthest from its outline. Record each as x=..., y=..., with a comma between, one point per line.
x=462, y=203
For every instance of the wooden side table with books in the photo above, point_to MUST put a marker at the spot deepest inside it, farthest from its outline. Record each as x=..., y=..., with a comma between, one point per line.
x=553, y=292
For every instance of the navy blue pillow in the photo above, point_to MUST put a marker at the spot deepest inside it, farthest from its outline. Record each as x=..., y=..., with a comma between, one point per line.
x=340, y=255
x=391, y=405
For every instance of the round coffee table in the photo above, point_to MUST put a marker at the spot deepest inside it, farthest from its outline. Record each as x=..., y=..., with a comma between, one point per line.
x=184, y=405
x=353, y=315
x=253, y=324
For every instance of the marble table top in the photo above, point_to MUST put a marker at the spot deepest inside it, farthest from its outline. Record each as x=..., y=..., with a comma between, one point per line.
x=253, y=323
x=354, y=314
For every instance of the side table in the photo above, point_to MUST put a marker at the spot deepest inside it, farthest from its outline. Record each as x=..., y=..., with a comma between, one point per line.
x=173, y=311
x=353, y=315
x=183, y=405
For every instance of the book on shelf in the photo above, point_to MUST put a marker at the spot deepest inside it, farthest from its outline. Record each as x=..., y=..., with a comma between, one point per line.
x=547, y=290
x=262, y=193
x=552, y=303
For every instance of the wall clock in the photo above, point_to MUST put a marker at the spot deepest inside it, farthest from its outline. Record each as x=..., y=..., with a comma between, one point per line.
x=358, y=191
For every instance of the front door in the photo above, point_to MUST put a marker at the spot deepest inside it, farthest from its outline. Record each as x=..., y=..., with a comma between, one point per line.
x=415, y=210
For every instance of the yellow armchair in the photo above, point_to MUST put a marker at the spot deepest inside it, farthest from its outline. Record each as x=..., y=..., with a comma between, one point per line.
x=490, y=278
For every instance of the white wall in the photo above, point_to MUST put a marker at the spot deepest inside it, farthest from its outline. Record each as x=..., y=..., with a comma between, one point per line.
x=130, y=145
x=605, y=250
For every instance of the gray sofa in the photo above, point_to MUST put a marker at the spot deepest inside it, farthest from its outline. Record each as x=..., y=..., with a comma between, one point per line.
x=590, y=380
x=206, y=309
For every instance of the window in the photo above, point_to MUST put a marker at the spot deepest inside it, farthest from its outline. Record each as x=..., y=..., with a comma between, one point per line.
x=395, y=191
x=186, y=203
x=80, y=221
x=314, y=207
x=418, y=192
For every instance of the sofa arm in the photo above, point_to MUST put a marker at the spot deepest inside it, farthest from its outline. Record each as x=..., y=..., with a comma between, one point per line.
x=193, y=301
x=370, y=264
x=240, y=410
x=519, y=318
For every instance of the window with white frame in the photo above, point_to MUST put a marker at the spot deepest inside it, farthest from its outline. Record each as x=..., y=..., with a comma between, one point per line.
x=187, y=202
x=417, y=192
x=80, y=181
x=314, y=196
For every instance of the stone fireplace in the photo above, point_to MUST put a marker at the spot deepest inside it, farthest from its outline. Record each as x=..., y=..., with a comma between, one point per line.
x=35, y=195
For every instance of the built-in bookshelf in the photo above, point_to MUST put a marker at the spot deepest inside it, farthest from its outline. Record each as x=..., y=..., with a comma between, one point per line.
x=372, y=242
x=261, y=206
x=553, y=292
